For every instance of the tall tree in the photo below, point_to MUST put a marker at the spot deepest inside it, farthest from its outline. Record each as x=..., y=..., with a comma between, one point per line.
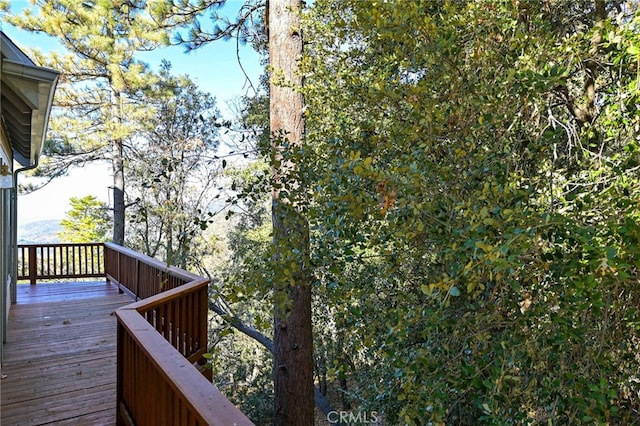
x=476, y=216
x=177, y=144
x=95, y=114
x=293, y=344
x=293, y=340
x=87, y=221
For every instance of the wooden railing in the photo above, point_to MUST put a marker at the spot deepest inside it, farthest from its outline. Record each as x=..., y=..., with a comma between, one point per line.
x=159, y=339
x=160, y=336
x=141, y=276
x=56, y=261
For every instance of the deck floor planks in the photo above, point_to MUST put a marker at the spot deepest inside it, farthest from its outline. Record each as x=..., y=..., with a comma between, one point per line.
x=59, y=360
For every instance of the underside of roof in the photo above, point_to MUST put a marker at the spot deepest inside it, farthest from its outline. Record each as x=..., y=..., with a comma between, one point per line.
x=26, y=96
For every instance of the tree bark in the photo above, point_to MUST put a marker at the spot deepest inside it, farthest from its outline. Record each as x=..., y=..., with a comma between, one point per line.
x=321, y=401
x=585, y=112
x=293, y=341
x=117, y=163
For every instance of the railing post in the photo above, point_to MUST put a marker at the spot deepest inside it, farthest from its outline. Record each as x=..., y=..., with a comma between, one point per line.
x=203, y=320
x=137, y=279
x=33, y=265
x=119, y=373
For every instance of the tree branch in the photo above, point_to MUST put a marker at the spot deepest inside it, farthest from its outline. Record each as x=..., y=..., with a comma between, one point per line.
x=320, y=400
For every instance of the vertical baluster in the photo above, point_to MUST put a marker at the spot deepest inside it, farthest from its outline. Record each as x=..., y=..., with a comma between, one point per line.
x=61, y=265
x=64, y=254
x=94, y=253
x=87, y=260
x=137, y=278
x=75, y=254
x=193, y=322
x=56, y=261
x=40, y=259
x=182, y=325
x=44, y=261
x=82, y=254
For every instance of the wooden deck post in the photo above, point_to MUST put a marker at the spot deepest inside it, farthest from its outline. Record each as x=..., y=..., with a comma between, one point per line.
x=158, y=339
x=33, y=265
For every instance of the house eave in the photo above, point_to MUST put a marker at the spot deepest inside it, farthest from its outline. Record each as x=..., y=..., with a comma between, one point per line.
x=27, y=93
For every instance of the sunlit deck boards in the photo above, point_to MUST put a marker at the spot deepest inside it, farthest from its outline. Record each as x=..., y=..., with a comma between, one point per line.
x=60, y=357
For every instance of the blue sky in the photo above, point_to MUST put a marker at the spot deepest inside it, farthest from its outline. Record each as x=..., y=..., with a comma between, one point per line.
x=214, y=67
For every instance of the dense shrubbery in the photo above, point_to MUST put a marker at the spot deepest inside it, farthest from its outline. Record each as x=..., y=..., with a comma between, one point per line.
x=475, y=176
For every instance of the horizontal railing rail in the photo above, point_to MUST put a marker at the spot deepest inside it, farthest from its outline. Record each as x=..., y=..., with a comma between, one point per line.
x=161, y=336
x=140, y=275
x=159, y=339
x=55, y=261
x=180, y=315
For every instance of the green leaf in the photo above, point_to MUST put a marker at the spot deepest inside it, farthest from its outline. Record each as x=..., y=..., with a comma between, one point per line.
x=633, y=50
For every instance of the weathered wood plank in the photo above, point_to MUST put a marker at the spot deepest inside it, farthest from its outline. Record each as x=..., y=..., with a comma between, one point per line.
x=60, y=364
x=57, y=291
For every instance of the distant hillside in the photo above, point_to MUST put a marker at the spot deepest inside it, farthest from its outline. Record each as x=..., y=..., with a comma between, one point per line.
x=42, y=231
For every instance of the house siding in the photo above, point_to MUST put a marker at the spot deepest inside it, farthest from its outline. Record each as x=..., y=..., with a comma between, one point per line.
x=32, y=87
x=5, y=243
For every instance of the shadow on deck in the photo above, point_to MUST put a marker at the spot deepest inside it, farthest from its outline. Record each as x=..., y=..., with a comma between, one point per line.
x=60, y=357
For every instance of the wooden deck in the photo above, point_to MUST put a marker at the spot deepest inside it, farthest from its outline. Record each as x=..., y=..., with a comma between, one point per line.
x=60, y=357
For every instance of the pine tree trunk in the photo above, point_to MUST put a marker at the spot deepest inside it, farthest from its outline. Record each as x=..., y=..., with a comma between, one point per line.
x=293, y=341
x=117, y=163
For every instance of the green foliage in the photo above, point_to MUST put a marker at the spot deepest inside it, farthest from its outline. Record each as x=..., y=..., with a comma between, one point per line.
x=87, y=222
x=243, y=284
x=95, y=101
x=474, y=168
x=473, y=189
x=241, y=272
x=242, y=370
x=172, y=172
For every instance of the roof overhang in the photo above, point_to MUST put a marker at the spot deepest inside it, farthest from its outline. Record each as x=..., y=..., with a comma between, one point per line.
x=26, y=98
